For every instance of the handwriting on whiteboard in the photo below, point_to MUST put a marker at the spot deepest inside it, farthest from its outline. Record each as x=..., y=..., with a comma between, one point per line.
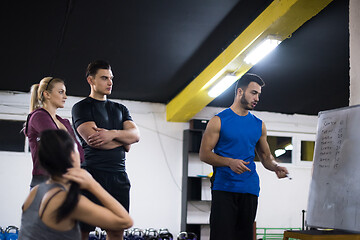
x=331, y=139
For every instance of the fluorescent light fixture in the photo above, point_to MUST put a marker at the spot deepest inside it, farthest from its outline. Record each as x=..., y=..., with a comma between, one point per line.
x=289, y=147
x=222, y=85
x=264, y=48
x=279, y=152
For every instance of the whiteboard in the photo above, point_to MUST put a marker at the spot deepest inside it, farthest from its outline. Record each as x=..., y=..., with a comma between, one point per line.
x=334, y=197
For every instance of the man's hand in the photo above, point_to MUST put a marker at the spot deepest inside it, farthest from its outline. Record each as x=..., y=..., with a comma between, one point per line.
x=281, y=172
x=238, y=166
x=101, y=137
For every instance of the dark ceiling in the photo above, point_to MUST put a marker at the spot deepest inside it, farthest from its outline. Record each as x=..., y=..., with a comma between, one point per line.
x=158, y=47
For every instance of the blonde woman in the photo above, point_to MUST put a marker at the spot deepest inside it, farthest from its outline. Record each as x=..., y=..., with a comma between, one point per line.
x=46, y=97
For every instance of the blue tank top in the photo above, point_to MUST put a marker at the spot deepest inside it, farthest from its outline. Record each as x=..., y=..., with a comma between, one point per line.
x=238, y=138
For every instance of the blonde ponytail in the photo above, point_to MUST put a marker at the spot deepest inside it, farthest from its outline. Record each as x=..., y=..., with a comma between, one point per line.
x=34, y=100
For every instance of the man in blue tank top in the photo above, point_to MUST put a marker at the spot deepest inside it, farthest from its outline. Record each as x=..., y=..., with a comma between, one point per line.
x=229, y=144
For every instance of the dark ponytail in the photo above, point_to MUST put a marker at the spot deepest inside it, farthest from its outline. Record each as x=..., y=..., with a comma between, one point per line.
x=55, y=148
x=72, y=198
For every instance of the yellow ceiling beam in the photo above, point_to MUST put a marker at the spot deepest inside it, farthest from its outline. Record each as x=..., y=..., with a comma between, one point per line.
x=281, y=18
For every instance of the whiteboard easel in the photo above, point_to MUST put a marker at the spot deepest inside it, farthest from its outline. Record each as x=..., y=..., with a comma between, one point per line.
x=334, y=197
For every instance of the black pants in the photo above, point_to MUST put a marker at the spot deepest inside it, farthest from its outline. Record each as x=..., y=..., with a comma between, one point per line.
x=115, y=183
x=232, y=215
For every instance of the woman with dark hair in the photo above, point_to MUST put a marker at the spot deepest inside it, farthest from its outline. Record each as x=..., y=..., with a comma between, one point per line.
x=53, y=208
x=46, y=97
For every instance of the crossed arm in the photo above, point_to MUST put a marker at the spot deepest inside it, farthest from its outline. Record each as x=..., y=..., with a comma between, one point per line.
x=109, y=139
x=210, y=139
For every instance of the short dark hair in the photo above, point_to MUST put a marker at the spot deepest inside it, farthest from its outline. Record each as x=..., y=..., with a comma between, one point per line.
x=247, y=78
x=94, y=66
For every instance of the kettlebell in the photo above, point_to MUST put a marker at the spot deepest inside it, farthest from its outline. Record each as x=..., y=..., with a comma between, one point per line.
x=151, y=234
x=164, y=234
x=11, y=233
x=187, y=236
x=127, y=234
x=2, y=234
x=98, y=234
x=136, y=234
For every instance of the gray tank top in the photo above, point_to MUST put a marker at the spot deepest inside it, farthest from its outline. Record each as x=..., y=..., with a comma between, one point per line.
x=33, y=228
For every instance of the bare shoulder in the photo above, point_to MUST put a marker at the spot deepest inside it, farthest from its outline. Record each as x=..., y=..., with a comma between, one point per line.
x=214, y=124
x=53, y=198
x=212, y=131
x=30, y=198
x=263, y=130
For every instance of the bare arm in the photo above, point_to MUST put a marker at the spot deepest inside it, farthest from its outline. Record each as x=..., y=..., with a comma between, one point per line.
x=87, y=129
x=129, y=135
x=208, y=143
x=112, y=215
x=267, y=159
x=127, y=148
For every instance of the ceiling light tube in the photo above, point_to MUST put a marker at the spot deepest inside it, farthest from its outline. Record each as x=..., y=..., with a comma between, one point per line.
x=222, y=85
x=264, y=48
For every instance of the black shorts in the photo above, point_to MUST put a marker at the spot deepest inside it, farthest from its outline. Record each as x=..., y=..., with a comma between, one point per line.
x=232, y=215
x=115, y=183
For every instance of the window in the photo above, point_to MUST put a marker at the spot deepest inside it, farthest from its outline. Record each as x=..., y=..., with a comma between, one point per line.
x=11, y=137
x=281, y=148
x=307, y=150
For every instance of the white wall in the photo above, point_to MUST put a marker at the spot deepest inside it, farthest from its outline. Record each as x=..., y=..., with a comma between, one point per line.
x=15, y=176
x=155, y=166
x=354, y=49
